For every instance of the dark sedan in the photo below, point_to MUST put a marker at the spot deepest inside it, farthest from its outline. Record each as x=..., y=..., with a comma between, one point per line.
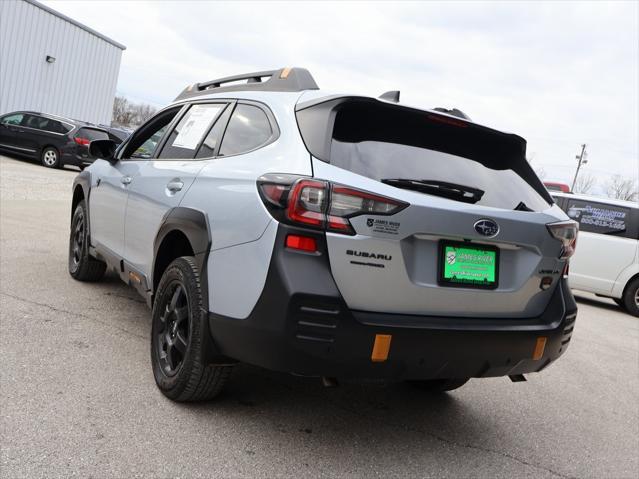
x=53, y=140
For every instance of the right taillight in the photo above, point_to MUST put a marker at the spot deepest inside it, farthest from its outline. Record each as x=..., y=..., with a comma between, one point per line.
x=321, y=204
x=566, y=232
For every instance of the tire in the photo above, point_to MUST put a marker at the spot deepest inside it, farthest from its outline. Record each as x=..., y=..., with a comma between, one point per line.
x=82, y=266
x=631, y=297
x=439, y=385
x=178, y=327
x=619, y=302
x=50, y=157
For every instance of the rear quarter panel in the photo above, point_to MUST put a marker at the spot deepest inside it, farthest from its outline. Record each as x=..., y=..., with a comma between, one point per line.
x=226, y=191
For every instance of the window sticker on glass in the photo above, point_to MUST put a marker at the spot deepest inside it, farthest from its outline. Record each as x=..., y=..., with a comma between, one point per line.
x=198, y=120
x=598, y=218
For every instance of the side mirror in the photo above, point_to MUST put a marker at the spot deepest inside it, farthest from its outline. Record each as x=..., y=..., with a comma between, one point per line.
x=104, y=149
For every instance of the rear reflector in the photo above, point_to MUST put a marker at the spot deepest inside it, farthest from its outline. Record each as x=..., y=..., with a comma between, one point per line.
x=302, y=243
x=540, y=346
x=381, y=347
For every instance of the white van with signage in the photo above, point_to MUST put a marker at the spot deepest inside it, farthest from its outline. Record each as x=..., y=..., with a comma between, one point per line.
x=607, y=258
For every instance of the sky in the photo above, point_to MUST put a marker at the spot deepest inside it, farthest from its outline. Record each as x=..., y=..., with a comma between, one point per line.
x=557, y=73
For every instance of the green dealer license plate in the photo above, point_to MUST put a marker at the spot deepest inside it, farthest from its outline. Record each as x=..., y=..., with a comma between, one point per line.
x=467, y=265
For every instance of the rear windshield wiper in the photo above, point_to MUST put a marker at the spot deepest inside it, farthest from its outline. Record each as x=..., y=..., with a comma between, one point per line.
x=452, y=191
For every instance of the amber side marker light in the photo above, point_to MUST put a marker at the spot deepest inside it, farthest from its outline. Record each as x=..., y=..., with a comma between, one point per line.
x=381, y=347
x=540, y=346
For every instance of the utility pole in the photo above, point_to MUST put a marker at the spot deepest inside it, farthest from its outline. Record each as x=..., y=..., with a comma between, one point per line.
x=582, y=161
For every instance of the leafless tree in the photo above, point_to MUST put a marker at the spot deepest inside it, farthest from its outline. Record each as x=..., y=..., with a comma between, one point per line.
x=126, y=113
x=585, y=183
x=622, y=188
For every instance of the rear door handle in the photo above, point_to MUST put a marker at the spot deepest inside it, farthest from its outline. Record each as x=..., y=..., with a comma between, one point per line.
x=126, y=180
x=174, y=185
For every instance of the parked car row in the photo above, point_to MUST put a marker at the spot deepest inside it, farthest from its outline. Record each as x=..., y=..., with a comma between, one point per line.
x=54, y=140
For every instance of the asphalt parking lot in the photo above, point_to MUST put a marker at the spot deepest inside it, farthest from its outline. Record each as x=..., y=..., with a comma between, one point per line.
x=78, y=397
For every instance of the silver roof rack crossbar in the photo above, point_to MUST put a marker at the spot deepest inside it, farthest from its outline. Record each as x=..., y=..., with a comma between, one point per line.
x=284, y=79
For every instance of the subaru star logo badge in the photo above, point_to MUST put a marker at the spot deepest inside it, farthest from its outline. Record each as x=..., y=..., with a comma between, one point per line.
x=487, y=227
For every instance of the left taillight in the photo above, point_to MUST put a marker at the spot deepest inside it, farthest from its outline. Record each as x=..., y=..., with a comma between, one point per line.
x=566, y=232
x=320, y=204
x=82, y=141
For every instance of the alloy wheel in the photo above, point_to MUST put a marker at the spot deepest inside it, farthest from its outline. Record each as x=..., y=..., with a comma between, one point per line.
x=78, y=239
x=50, y=158
x=173, y=334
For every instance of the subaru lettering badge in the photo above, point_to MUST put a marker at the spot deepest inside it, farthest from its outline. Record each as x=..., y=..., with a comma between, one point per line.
x=487, y=227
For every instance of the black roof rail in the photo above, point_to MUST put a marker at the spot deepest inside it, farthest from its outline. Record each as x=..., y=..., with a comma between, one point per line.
x=284, y=79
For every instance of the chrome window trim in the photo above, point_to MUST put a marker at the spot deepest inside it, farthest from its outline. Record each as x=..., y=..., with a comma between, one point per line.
x=17, y=148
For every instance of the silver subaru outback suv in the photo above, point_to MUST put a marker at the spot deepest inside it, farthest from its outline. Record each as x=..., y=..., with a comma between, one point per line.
x=269, y=222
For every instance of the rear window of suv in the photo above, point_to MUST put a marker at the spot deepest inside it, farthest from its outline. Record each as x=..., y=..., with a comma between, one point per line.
x=390, y=143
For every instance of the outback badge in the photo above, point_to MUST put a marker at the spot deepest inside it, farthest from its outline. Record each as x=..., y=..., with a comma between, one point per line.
x=487, y=227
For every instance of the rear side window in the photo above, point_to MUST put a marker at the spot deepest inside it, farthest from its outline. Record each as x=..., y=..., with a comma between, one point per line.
x=92, y=134
x=46, y=124
x=14, y=119
x=601, y=218
x=187, y=136
x=423, y=151
x=248, y=129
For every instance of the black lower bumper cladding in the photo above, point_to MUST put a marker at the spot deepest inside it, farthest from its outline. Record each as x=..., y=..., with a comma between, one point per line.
x=302, y=325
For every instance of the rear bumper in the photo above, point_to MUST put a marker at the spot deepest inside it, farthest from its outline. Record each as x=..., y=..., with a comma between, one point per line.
x=302, y=325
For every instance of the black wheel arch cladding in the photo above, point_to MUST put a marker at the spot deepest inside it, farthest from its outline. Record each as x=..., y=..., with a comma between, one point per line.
x=193, y=225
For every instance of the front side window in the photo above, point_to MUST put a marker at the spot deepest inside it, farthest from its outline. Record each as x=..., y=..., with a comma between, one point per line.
x=145, y=141
x=208, y=148
x=187, y=136
x=248, y=129
x=14, y=119
x=599, y=217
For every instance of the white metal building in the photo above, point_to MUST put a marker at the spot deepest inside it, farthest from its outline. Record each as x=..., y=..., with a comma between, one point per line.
x=53, y=64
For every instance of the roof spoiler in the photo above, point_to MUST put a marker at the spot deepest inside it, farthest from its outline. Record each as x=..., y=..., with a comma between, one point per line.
x=283, y=80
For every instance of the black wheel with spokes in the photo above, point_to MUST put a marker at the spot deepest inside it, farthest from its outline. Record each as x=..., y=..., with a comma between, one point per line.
x=177, y=335
x=82, y=266
x=173, y=334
